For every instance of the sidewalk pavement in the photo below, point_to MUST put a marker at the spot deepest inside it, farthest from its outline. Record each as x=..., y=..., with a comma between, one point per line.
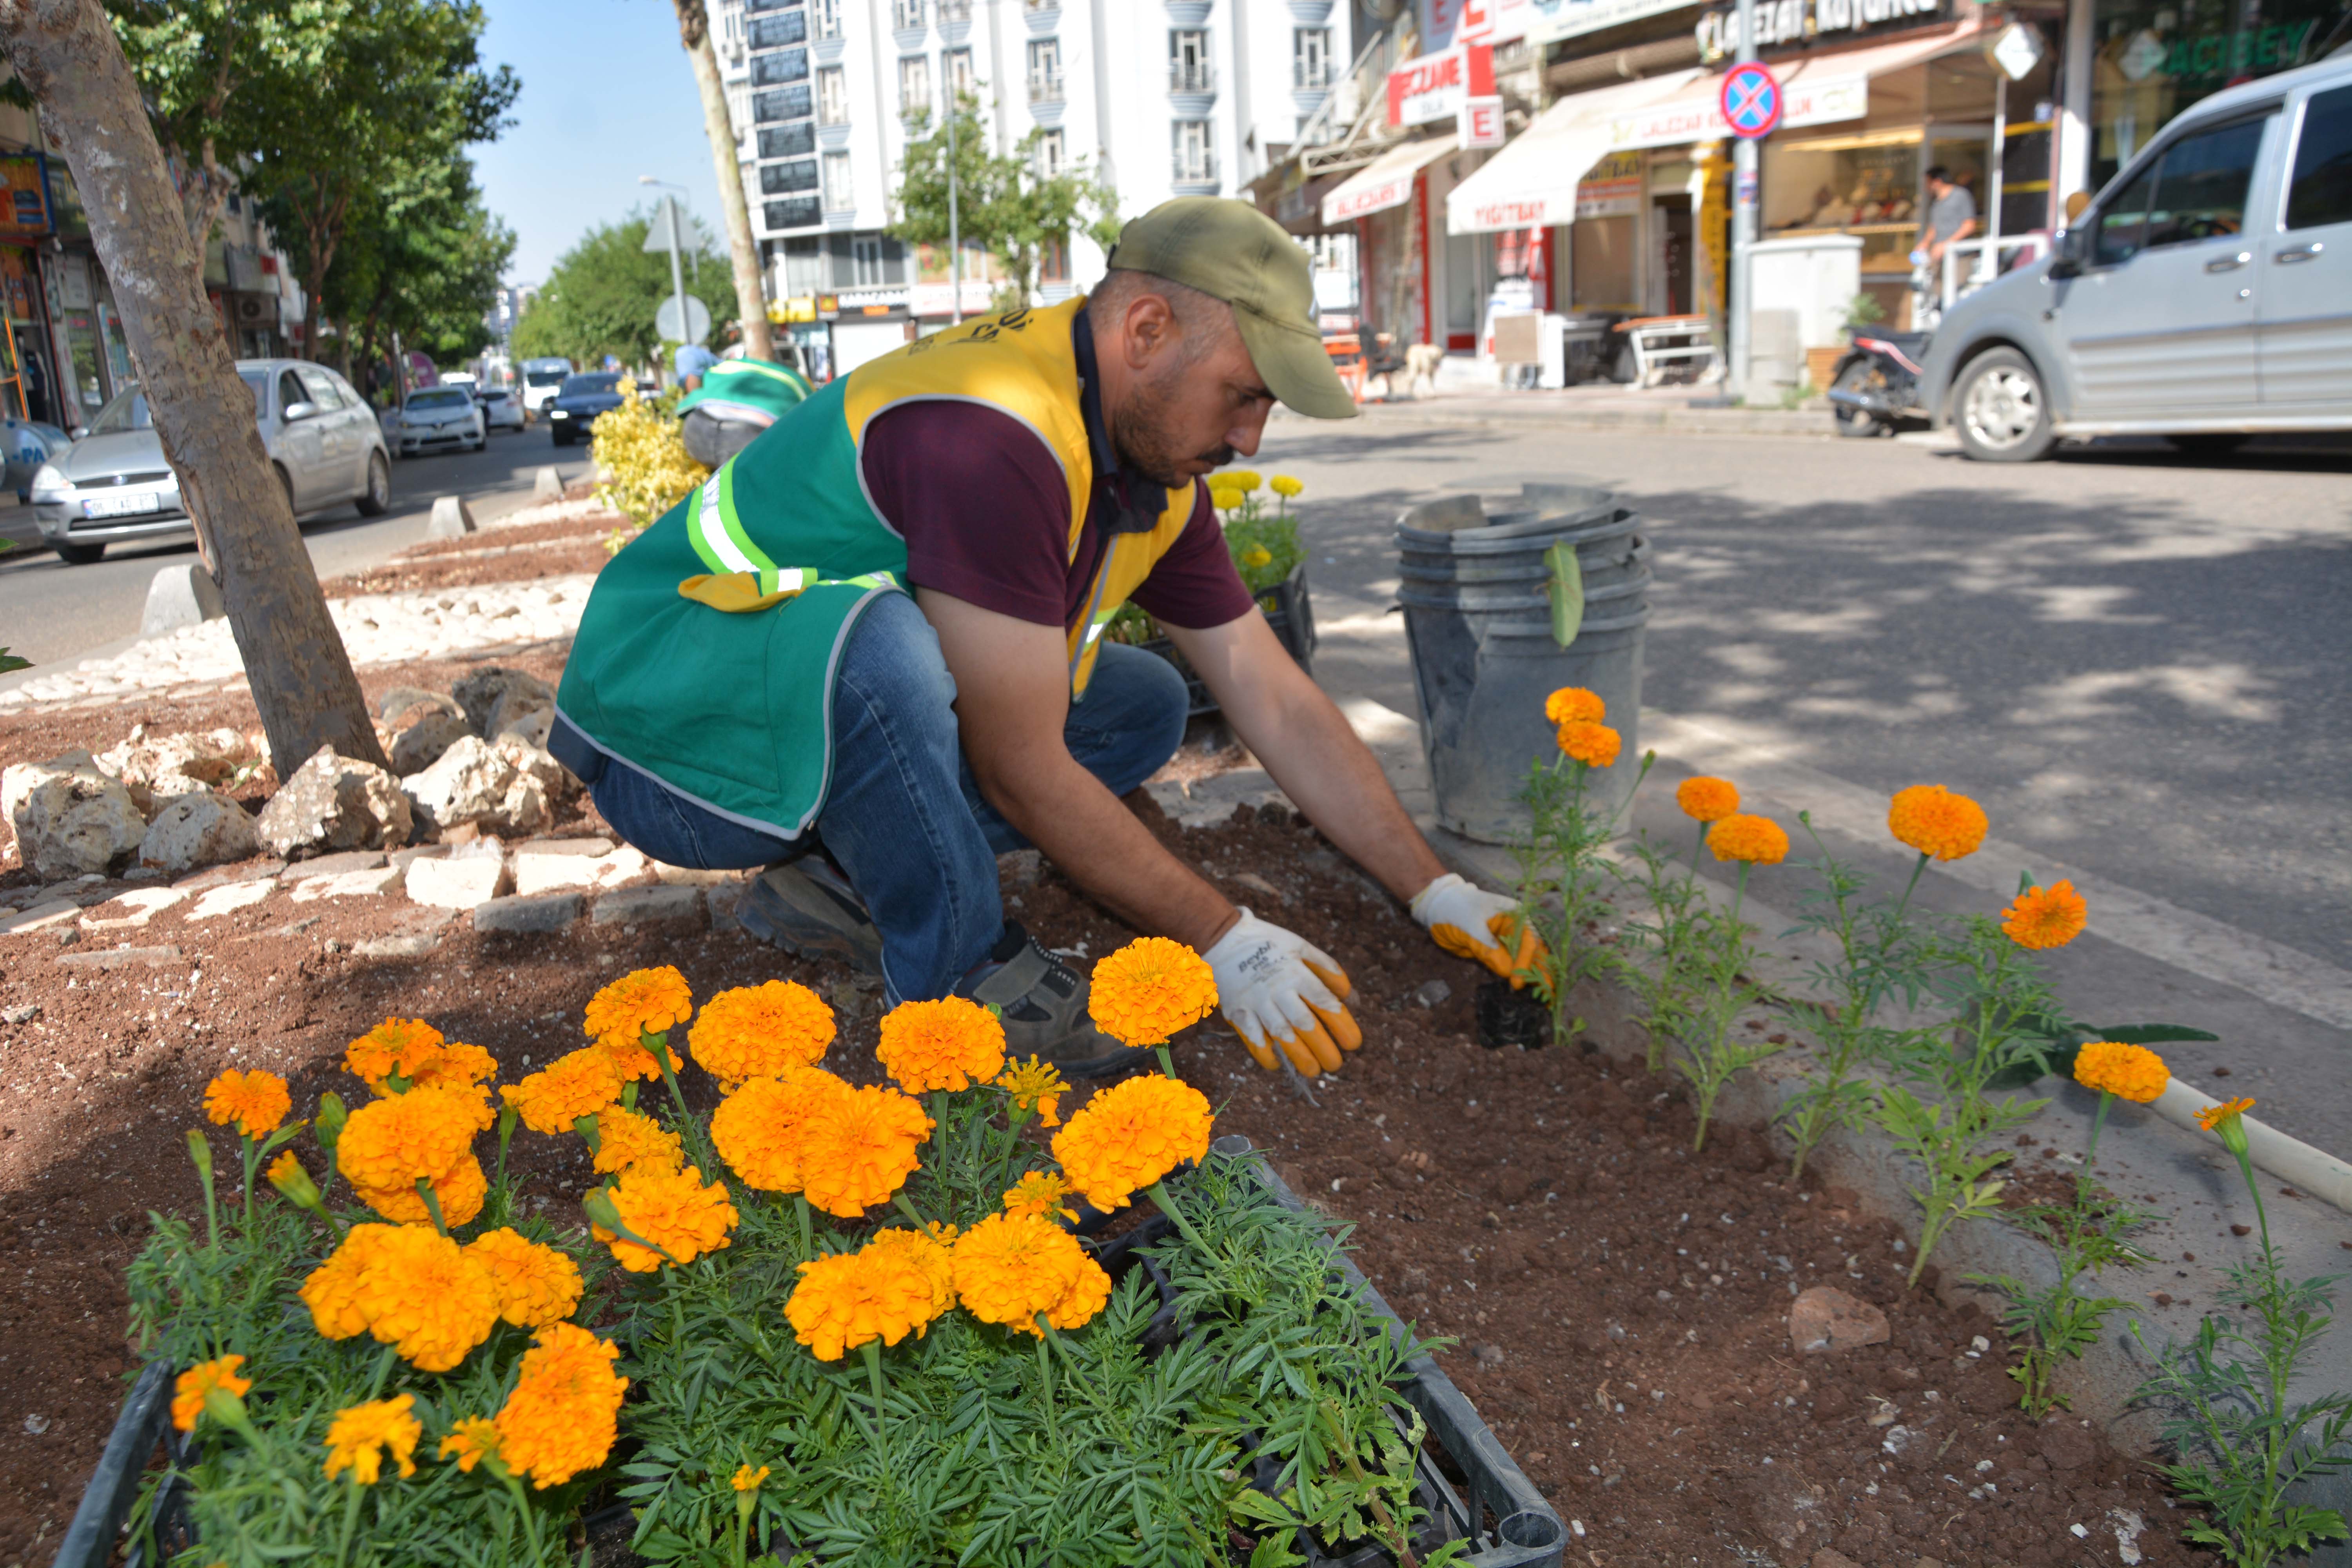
x=1601, y=405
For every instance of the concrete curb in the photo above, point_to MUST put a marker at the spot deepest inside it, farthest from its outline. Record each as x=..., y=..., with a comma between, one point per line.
x=1561, y=415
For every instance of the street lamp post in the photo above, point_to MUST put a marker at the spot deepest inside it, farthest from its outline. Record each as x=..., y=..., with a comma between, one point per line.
x=955, y=230
x=676, y=275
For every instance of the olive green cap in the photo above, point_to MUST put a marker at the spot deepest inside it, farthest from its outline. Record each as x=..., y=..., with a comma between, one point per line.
x=1231, y=251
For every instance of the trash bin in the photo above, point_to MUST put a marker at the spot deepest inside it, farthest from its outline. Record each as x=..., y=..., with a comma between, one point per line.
x=1478, y=617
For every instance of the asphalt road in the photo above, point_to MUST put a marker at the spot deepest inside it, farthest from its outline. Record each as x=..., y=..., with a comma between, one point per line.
x=51, y=612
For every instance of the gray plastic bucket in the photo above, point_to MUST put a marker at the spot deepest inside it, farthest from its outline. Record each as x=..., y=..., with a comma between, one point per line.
x=1477, y=616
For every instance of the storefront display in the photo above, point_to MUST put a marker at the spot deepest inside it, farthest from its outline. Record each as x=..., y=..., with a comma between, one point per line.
x=2155, y=58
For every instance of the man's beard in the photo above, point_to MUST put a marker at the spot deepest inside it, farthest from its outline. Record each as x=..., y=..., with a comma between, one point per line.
x=1143, y=448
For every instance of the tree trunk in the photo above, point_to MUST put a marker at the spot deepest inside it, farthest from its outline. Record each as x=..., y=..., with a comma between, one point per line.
x=751, y=299
x=66, y=55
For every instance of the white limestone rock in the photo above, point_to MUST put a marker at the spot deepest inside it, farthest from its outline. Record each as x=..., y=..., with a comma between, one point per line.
x=201, y=827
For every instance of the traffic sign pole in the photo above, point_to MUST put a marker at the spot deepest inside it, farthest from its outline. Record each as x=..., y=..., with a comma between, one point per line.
x=1743, y=217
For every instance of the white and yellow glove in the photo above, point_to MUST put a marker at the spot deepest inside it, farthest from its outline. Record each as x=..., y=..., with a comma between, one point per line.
x=1487, y=928
x=1279, y=990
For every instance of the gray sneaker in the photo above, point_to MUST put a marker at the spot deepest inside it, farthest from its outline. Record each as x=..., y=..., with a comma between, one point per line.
x=808, y=906
x=1043, y=1003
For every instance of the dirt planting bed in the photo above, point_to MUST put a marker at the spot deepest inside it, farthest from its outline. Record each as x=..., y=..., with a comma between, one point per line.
x=1622, y=1305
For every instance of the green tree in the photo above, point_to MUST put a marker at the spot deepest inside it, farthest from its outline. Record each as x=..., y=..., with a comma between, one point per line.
x=603, y=292
x=1002, y=201
x=422, y=260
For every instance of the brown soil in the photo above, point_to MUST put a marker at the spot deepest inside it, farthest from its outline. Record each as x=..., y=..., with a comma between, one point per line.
x=483, y=558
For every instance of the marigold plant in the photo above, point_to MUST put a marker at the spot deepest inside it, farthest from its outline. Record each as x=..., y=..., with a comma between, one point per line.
x=1131, y=1135
x=456, y=1065
x=859, y=1148
x=1574, y=705
x=188, y=1390
x=1755, y=840
x=458, y=1193
x=421, y=1294
x=642, y=1002
x=1011, y=1269
x=333, y=1289
x=1707, y=799
x=392, y=1144
x=626, y=1139
x=950, y=1044
x=2224, y=1110
x=1039, y=1193
x=758, y=1130
x=567, y=1089
x=1146, y=992
x=1594, y=745
x=1286, y=487
x=674, y=1211
x=927, y=1252
x=2042, y=917
x=2127, y=1072
x=565, y=1410
x=256, y=1101
x=748, y=1480
x=536, y=1285
x=884, y=1291
x=363, y=1436
x=471, y=1439
x=1036, y=1085
x=397, y=1047
x=1934, y=821
x=752, y=1031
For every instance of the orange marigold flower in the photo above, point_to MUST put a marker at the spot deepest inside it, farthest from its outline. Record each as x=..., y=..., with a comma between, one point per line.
x=1147, y=991
x=1039, y=1193
x=886, y=1291
x=748, y=1480
x=630, y=1059
x=643, y=1001
x=1131, y=1135
x=392, y=1144
x=472, y=1440
x=425, y=1297
x=189, y=1389
x=926, y=1250
x=1707, y=799
x=759, y=1128
x=579, y=1084
x=2040, y=917
x=626, y=1139
x=1594, y=745
x=456, y=1065
x=256, y=1101
x=1758, y=840
x=752, y=1031
x=1013, y=1268
x=1574, y=704
x=2130, y=1072
x=950, y=1044
x=460, y=1192
x=671, y=1209
x=359, y=1438
x=537, y=1285
x=397, y=1047
x=1037, y=1085
x=332, y=1290
x=565, y=1409
x=2219, y=1111
x=859, y=1148
x=1934, y=821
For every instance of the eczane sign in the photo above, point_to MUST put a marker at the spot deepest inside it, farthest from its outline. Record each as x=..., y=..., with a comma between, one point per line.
x=1437, y=87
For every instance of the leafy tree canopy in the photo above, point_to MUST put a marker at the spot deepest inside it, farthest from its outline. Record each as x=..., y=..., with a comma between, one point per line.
x=422, y=260
x=1002, y=202
x=603, y=295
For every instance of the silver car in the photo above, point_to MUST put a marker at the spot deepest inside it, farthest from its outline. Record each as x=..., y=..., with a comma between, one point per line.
x=113, y=485
x=440, y=419
x=2205, y=295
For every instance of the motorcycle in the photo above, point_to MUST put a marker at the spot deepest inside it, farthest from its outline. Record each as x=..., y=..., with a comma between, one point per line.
x=1875, y=386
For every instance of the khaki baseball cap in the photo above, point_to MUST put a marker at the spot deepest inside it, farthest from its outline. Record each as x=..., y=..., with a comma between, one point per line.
x=1231, y=251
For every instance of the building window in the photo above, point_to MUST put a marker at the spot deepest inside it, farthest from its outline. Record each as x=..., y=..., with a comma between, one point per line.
x=1188, y=61
x=1053, y=260
x=1044, y=70
x=914, y=86
x=730, y=31
x=795, y=212
x=955, y=65
x=1196, y=152
x=833, y=96
x=781, y=66
x=838, y=198
x=865, y=261
x=907, y=16
x=795, y=141
x=826, y=15
x=1310, y=58
x=738, y=110
x=781, y=103
x=788, y=179
x=781, y=30
x=1052, y=153
x=952, y=11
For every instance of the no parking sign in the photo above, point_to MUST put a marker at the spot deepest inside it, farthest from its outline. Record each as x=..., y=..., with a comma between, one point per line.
x=1751, y=101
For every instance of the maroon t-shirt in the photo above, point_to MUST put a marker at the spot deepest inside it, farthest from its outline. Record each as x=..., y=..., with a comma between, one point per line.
x=985, y=513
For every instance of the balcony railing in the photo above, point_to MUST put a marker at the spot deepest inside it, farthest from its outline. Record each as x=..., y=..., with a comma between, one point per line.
x=906, y=15
x=825, y=18
x=1194, y=168
x=1045, y=86
x=955, y=10
x=1310, y=76
x=1191, y=76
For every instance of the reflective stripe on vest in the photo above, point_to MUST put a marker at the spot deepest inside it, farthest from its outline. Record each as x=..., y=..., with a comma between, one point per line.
x=718, y=537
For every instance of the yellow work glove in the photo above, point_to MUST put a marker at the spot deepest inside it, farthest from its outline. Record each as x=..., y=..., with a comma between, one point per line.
x=1281, y=992
x=1470, y=922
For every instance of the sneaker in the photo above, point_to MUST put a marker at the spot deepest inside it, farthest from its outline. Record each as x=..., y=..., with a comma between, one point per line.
x=806, y=906
x=1043, y=1006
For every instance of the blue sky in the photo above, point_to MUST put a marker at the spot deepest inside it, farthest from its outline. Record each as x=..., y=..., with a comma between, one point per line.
x=607, y=94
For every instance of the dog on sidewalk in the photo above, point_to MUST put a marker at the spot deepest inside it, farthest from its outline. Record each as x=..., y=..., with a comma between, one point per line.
x=1421, y=362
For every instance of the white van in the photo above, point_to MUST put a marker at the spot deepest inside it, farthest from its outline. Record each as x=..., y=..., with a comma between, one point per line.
x=541, y=380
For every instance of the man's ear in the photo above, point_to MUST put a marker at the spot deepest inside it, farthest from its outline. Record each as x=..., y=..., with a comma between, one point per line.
x=1147, y=331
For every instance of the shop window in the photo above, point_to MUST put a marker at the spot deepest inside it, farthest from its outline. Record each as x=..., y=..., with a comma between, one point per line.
x=2201, y=189
x=2322, y=192
x=2155, y=58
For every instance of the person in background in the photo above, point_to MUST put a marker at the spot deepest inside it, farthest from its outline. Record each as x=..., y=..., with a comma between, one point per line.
x=1951, y=215
x=692, y=362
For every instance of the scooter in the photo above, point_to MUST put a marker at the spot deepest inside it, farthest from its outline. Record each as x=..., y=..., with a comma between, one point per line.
x=1876, y=387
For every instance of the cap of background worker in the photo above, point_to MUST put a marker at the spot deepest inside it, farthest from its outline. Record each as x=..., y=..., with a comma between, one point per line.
x=1232, y=251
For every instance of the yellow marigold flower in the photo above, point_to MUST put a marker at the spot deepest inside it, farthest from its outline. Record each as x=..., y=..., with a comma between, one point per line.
x=1257, y=555
x=927, y=1252
x=1036, y=1085
x=673, y=1210
x=2212, y=1116
x=1224, y=498
x=859, y=1148
x=359, y=1438
x=425, y=1297
x=752, y=1031
x=950, y=1044
x=564, y=1412
x=460, y=1192
x=1758, y=840
x=626, y=1139
x=1706, y=799
x=1934, y=821
x=2129, y=1072
x=287, y=1175
x=537, y=1285
x=643, y=1001
x=472, y=1440
x=1131, y=1135
x=1574, y=704
x=456, y=1065
x=1147, y=991
x=1243, y=480
x=392, y=1144
x=630, y=1059
x=579, y=1084
x=256, y=1101
x=886, y=1291
x=189, y=1389
x=1594, y=745
x=1286, y=487
x=1039, y=1193
x=397, y=1047
x=333, y=1291
x=759, y=1128
x=1013, y=1268
x=2040, y=917
x=748, y=1480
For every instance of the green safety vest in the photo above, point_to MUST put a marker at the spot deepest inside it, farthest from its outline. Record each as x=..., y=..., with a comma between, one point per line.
x=747, y=389
x=708, y=650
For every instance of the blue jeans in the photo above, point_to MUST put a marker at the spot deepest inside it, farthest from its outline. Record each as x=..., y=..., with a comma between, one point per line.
x=904, y=818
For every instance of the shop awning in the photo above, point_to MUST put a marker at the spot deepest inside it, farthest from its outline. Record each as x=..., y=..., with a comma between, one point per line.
x=1532, y=183
x=1385, y=182
x=1819, y=89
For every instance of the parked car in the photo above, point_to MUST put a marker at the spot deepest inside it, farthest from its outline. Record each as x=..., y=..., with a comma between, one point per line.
x=541, y=380
x=2205, y=295
x=575, y=407
x=440, y=419
x=501, y=409
x=113, y=485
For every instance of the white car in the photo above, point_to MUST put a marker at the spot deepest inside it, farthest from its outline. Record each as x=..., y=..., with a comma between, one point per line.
x=501, y=409
x=440, y=419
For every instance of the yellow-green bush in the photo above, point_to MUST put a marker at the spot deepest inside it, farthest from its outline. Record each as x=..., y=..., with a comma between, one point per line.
x=642, y=466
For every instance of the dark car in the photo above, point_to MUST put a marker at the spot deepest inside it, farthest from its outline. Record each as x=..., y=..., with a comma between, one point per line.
x=574, y=409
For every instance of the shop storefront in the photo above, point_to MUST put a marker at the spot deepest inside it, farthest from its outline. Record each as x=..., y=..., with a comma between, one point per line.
x=2152, y=58
x=28, y=382
x=1387, y=203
